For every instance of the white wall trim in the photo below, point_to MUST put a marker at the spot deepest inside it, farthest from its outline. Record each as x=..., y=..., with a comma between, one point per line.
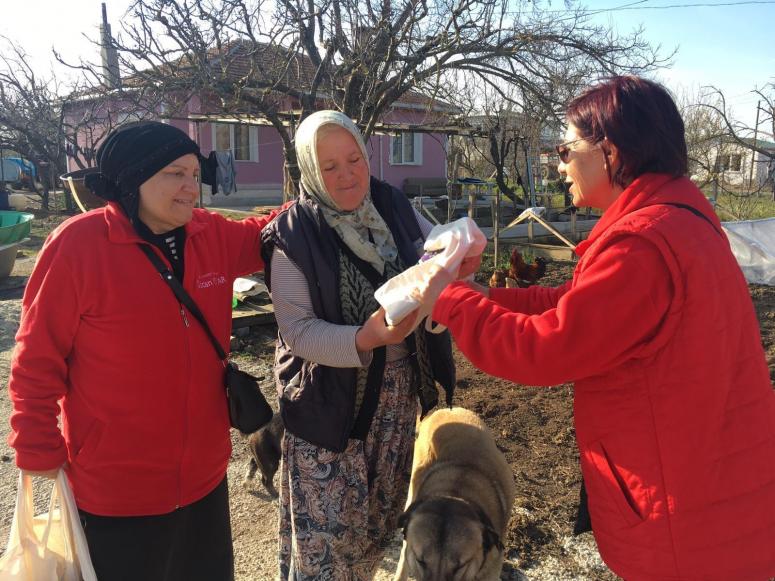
x=252, y=140
x=418, y=143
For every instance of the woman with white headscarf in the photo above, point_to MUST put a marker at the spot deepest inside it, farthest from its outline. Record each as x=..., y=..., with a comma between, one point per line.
x=348, y=383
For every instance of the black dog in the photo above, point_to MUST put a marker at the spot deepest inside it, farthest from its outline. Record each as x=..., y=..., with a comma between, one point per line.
x=265, y=449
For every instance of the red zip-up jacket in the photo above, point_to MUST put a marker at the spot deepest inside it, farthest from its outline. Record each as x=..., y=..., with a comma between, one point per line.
x=674, y=409
x=145, y=424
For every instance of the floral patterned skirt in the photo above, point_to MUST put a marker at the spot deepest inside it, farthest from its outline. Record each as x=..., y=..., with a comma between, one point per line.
x=338, y=511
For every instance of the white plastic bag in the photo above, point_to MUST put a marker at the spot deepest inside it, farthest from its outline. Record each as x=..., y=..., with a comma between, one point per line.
x=447, y=245
x=753, y=244
x=47, y=547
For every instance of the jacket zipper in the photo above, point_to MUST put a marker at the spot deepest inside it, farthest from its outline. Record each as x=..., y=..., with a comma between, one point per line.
x=185, y=408
x=186, y=385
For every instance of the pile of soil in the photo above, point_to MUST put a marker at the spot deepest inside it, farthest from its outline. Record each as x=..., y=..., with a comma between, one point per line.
x=533, y=427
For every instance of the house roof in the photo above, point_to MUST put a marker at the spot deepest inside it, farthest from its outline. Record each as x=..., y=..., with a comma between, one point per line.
x=259, y=65
x=761, y=143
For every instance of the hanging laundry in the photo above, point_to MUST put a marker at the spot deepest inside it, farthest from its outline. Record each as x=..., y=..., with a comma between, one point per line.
x=226, y=173
x=208, y=166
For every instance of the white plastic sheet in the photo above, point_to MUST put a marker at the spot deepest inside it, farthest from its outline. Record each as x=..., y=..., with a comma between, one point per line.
x=753, y=244
x=447, y=245
x=47, y=547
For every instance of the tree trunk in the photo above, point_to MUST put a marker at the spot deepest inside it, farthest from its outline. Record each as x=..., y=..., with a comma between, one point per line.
x=500, y=177
x=291, y=176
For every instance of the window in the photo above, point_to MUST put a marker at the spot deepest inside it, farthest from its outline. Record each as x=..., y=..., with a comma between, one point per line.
x=241, y=140
x=406, y=149
x=729, y=162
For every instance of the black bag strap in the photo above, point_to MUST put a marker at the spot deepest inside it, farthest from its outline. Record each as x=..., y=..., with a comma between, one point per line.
x=694, y=211
x=182, y=296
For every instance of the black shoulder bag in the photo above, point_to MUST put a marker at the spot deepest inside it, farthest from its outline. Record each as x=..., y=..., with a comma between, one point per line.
x=248, y=409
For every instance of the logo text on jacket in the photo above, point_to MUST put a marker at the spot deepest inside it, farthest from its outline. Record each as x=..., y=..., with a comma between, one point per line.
x=211, y=279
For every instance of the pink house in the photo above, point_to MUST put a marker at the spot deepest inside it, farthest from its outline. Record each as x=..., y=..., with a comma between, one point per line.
x=395, y=154
x=258, y=149
x=258, y=153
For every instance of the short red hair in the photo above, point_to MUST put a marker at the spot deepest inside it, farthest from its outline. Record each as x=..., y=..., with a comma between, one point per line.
x=640, y=118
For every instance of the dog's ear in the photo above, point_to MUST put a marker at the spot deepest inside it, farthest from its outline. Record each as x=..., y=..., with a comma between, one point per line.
x=490, y=539
x=404, y=517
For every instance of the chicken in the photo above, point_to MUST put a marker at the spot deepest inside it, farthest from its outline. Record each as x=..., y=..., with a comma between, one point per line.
x=526, y=274
x=498, y=278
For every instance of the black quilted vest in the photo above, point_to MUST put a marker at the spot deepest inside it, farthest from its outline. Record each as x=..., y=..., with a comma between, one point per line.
x=317, y=402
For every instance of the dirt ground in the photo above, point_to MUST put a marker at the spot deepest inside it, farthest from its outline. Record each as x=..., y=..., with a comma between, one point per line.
x=533, y=427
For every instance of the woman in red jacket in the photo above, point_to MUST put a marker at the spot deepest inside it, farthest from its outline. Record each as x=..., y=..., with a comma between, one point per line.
x=674, y=409
x=145, y=427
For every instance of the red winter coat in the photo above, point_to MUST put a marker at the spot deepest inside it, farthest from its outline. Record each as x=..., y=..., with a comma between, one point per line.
x=145, y=423
x=674, y=409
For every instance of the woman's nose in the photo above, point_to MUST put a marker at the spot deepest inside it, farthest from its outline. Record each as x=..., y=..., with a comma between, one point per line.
x=191, y=183
x=561, y=167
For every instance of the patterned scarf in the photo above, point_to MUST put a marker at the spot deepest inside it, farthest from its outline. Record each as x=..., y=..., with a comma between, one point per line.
x=363, y=230
x=356, y=295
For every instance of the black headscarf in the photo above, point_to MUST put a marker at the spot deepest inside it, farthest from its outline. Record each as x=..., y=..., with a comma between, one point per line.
x=133, y=153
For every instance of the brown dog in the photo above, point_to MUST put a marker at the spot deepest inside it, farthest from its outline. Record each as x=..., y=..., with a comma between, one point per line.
x=266, y=449
x=460, y=499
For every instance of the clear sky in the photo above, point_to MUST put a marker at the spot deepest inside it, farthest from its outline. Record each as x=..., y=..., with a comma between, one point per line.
x=728, y=45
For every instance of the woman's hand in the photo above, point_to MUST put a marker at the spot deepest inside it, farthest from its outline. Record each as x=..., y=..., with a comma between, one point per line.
x=485, y=290
x=376, y=332
x=52, y=474
x=470, y=266
x=434, y=283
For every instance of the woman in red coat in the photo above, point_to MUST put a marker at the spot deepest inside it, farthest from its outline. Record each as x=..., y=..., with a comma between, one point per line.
x=674, y=409
x=144, y=437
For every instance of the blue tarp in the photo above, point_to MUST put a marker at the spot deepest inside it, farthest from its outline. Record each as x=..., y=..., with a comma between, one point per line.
x=13, y=167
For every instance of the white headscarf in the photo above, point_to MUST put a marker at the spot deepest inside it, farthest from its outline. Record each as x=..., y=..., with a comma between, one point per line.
x=353, y=226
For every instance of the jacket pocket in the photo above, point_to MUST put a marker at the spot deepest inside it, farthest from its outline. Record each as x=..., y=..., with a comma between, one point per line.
x=304, y=385
x=90, y=445
x=613, y=482
x=292, y=390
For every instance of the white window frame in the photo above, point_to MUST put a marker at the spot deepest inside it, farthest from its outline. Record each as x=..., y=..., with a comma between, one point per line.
x=417, y=149
x=252, y=140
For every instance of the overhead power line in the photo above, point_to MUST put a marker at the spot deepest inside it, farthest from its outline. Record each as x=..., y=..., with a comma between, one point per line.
x=639, y=5
x=692, y=5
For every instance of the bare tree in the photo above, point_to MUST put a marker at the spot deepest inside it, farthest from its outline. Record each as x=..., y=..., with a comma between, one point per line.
x=280, y=62
x=705, y=133
x=514, y=126
x=744, y=136
x=33, y=120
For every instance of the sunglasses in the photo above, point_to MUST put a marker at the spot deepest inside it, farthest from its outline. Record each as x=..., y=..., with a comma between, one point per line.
x=563, y=151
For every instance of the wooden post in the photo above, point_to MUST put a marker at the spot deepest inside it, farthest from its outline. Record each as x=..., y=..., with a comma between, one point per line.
x=198, y=141
x=573, y=235
x=471, y=201
x=449, y=202
x=452, y=183
x=753, y=152
x=496, y=222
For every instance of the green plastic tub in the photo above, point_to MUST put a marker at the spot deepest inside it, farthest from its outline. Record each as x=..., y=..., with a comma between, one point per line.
x=7, y=258
x=14, y=226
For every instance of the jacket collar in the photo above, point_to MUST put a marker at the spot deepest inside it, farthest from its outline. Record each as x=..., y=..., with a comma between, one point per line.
x=121, y=231
x=648, y=190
